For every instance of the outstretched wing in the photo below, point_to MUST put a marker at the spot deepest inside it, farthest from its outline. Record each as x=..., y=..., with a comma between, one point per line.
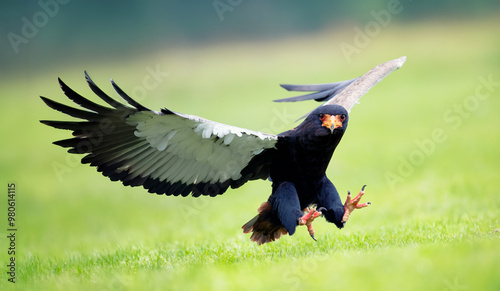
x=165, y=152
x=345, y=93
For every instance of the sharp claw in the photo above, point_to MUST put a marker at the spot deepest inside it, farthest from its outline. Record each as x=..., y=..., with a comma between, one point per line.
x=369, y=203
x=363, y=189
x=307, y=219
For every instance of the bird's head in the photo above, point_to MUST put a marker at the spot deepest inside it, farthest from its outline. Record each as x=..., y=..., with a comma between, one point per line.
x=329, y=119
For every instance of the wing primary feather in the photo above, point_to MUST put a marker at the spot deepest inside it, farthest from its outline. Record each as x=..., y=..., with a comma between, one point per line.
x=318, y=96
x=71, y=111
x=128, y=98
x=119, y=139
x=104, y=128
x=70, y=142
x=324, y=91
x=101, y=154
x=317, y=87
x=71, y=125
x=103, y=95
x=82, y=101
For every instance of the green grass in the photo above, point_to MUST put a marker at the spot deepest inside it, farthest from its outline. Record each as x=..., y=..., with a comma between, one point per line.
x=435, y=228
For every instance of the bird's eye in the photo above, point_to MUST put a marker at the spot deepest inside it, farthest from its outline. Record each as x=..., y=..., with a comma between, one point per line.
x=321, y=116
x=342, y=117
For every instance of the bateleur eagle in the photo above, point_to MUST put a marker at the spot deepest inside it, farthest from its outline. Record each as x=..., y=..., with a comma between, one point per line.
x=172, y=153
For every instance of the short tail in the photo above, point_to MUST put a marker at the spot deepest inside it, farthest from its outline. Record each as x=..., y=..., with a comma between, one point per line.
x=265, y=226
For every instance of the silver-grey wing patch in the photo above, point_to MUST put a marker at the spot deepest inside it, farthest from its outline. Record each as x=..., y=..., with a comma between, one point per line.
x=165, y=152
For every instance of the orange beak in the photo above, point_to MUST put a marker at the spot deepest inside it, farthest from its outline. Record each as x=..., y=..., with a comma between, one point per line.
x=335, y=120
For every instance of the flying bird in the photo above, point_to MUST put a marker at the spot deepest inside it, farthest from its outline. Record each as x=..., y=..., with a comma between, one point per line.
x=172, y=153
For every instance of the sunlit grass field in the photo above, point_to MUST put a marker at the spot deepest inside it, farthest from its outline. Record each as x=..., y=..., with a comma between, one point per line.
x=426, y=142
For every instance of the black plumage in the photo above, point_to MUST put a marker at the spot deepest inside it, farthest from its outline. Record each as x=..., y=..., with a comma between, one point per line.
x=298, y=176
x=177, y=154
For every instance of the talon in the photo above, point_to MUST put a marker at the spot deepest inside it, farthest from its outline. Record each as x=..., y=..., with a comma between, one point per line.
x=310, y=229
x=351, y=204
x=308, y=218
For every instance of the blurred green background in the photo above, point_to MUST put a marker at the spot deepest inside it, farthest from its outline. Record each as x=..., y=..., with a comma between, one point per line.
x=425, y=140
